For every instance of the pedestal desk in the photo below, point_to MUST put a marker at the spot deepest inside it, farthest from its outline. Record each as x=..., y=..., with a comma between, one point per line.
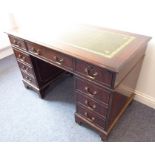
x=105, y=64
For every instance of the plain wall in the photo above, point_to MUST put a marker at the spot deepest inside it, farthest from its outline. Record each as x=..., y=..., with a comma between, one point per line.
x=4, y=24
x=128, y=15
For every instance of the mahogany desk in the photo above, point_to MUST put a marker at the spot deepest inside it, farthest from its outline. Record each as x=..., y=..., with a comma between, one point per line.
x=105, y=64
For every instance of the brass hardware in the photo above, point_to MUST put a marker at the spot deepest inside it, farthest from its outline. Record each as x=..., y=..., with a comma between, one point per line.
x=25, y=68
x=16, y=43
x=28, y=78
x=91, y=76
x=92, y=106
x=22, y=58
x=37, y=52
x=59, y=61
x=19, y=56
x=91, y=119
x=89, y=92
x=86, y=114
x=86, y=102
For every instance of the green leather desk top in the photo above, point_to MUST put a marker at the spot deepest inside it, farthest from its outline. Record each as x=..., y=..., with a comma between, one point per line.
x=101, y=42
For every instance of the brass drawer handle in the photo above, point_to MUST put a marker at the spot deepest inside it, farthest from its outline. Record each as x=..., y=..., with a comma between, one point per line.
x=58, y=60
x=91, y=119
x=92, y=76
x=90, y=106
x=37, y=52
x=16, y=43
x=89, y=92
x=28, y=78
x=25, y=68
x=22, y=58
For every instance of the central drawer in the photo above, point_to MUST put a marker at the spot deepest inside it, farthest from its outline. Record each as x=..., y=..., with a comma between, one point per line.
x=51, y=55
x=92, y=90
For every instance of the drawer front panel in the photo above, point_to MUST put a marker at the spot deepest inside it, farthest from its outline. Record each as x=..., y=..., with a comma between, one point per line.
x=29, y=78
x=90, y=116
x=22, y=57
x=94, y=73
x=93, y=91
x=53, y=56
x=17, y=43
x=91, y=105
x=26, y=69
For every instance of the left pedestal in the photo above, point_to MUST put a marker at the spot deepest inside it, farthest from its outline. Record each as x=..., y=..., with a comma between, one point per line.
x=37, y=74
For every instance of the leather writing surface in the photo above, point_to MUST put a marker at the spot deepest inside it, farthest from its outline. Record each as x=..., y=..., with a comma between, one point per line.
x=101, y=42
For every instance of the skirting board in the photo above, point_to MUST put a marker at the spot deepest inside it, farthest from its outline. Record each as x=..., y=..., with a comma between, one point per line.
x=145, y=99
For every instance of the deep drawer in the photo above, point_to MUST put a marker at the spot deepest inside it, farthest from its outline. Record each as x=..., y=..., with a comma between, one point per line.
x=51, y=55
x=90, y=116
x=94, y=73
x=92, y=90
x=91, y=104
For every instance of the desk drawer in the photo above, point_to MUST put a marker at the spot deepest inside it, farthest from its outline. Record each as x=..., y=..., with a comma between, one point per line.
x=94, y=73
x=90, y=116
x=91, y=104
x=51, y=55
x=17, y=42
x=29, y=79
x=92, y=90
x=22, y=57
x=26, y=69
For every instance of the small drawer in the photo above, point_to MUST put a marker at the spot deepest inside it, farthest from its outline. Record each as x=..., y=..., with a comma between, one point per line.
x=91, y=104
x=61, y=60
x=90, y=116
x=29, y=78
x=22, y=57
x=92, y=90
x=94, y=73
x=17, y=43
x=51, y=55
x=35, y=49
x=26, y=69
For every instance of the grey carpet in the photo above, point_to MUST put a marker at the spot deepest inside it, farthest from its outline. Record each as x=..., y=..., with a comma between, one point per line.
x=26, y=117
